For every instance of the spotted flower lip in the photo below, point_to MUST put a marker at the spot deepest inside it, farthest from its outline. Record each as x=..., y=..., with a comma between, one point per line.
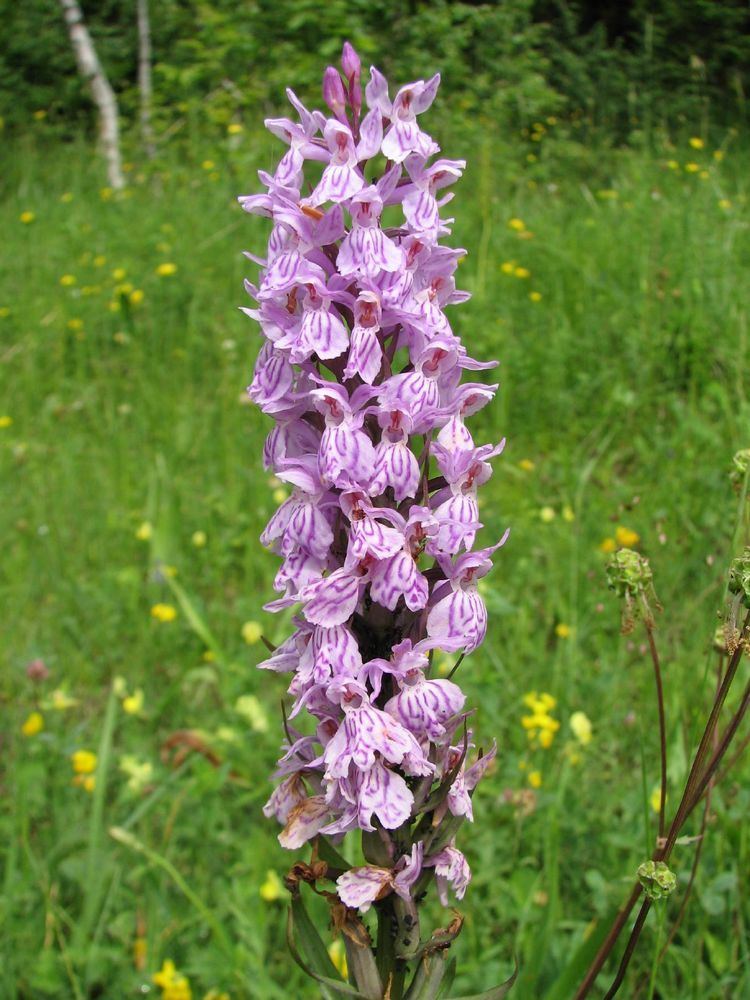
x=368, y=388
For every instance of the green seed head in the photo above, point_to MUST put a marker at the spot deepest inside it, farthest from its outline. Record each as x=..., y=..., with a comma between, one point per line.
x=657, y=880
x=740, y=466
x=739, y=577
x=629, y=573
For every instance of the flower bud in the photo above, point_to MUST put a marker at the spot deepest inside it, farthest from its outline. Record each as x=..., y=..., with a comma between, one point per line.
x=352, y=66
x=334, y=94
x=37, y=670
x=657, y=879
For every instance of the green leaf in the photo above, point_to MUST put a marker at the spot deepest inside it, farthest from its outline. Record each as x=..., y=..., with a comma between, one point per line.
x=449, y=977
x=497, y=992
x=317, y=962
x=564, y=987
x=328, y=853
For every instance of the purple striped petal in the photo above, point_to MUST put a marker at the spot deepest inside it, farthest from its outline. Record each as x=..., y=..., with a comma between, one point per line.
x=339, y=182
x=323, y=333
x=360, y=887
x=332, y=600
x=423, y=706
x=395, y=466
x=460, y=615
x=365, y=355
x=304, y=822
x=391, y=578
x=385, y=794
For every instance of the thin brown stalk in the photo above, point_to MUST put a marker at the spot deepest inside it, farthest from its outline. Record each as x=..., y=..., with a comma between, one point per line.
x=640, y=920
x=724, y=743
x=662, y=720
x=664, y=850
x=696, y=861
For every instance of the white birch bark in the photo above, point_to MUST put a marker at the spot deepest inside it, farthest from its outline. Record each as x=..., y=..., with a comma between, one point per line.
x=144, y=77
x=104, y=97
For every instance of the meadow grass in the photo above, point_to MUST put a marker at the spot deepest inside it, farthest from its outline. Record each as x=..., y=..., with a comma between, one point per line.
x=617, y=302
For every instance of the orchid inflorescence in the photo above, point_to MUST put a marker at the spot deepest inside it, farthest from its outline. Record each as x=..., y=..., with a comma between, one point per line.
x=362, y=373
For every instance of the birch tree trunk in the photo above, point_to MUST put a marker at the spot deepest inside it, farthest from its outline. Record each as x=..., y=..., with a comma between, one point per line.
x=144, y=77
x=104, y=97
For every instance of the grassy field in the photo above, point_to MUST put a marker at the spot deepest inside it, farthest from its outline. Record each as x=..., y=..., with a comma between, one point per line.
x=612, y=284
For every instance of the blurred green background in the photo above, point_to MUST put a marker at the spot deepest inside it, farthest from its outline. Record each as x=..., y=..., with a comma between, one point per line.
x=605, y=211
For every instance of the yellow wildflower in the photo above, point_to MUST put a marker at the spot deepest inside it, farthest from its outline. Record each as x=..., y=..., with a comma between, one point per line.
x=718, y=155
x=697, y=143
x=273, y=888
x=547, y=514
x=87, y=782
x=655, y=798
x=704, y=175
x=234, y=128
x=527, y=465
x=119, y=273
x=136, y=297
x=106, y=193
x=546, y=737
x=62, y=701
x=626, y=537
x=139, y=772
x=692, y=168
x=217, y=995
x=581, y=726
x=562, y=631
x=607, y=545
x=144, y=531
x=251, y=632
x=535, y=296
x=133, y=703
x=27, y=217
x=166, y=269
x=568, y=514
x=4, y=312
x=248, y=706
x=522, y=272
x=199, y=539
x=279, y=495
x=208, y=656
x=6, y=421
x=208, y=164
x=725, y=204
x=75, y=324
x=508, y=266
x=164, y=612
x=100, y=260
x=539, y=702
x=84, y=761
x=34, y=724
x=673, y=164
x=68, y=280
x=535, y=779
x=173, y=984
x=517, y=224
x=337, y=954
x=40, y=115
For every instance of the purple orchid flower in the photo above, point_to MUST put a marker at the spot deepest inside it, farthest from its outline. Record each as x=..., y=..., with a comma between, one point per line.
x=366, y=383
